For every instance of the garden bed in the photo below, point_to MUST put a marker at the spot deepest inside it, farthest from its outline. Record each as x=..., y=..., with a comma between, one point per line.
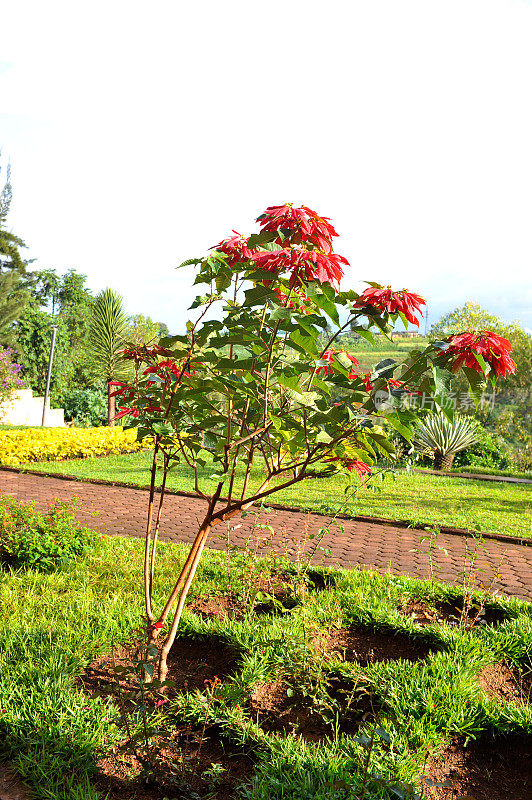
x=288, y=700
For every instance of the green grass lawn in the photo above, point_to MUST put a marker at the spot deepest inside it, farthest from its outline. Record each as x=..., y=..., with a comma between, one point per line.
x=53, y=625
x=492, y=507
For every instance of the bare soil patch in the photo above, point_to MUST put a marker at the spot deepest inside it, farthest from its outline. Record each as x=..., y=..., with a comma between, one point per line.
x=487, y=769
x=191, y=663
x=217, y=607
x=366, y=646
x=277, y=712
x=181, y=771
x=453, y=613
x=11, y=787
x=506, y=683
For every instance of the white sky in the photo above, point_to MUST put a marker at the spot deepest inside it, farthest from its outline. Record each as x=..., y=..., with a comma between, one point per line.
x=140, y=134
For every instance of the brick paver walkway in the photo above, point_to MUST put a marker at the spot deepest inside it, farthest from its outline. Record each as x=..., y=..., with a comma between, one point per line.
x=121, y=511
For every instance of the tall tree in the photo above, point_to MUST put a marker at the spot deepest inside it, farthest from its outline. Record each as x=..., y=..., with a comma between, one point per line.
x=65, y=301
x=143, y=330
x=13, y=294
x=106, y=338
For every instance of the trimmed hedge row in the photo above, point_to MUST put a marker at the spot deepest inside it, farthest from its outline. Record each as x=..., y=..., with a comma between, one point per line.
x=55, y=444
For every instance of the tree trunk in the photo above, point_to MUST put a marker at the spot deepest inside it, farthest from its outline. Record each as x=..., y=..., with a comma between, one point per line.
x=443, y=461
x=110, y=406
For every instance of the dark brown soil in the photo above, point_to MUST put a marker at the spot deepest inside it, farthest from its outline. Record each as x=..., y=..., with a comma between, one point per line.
x=487, y=769
x=11, y=787
x=191, y=664
x=506, y=683
x=217, y=607
x=276, y=712
x=319, y=580
x=451, y=611
x=181, y=770
x=366, y=646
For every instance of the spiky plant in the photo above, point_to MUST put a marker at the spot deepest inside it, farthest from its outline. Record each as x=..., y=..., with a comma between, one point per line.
x=106, y=338
x=442, y=439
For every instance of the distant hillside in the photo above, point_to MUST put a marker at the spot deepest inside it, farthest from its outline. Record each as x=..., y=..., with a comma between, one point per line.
x=370, y=354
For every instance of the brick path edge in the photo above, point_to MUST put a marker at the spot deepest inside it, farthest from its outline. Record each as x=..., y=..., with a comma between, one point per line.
x=400, y=523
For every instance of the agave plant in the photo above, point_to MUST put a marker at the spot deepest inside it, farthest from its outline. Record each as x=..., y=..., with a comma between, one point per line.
x=442, y=439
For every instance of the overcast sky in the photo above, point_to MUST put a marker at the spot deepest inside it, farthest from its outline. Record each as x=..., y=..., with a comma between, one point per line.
x=140, y=134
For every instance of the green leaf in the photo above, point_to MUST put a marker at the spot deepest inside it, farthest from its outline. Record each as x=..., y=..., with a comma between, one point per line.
x=190, y=262
x=262, y=238
x=400, y=428
x=384, y=369
x=304, y=343
x=163, y=428
x=258, y=295
x=281, y=313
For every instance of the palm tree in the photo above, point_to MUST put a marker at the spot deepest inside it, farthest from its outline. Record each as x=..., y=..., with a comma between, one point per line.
x=106, y=338
x=441, y=439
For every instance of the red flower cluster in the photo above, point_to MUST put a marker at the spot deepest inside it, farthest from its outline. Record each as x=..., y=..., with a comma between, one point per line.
x=304, y=265
x=304, y=221
x=385, y=300
x=495, y=350
x=236, y=247
x=127, y=393
x=169, y=371
x=366, y=380
x=328, y=369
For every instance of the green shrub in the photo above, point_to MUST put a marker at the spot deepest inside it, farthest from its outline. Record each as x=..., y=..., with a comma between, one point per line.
x=86, y=408
x=29, y=539
x=491, y=450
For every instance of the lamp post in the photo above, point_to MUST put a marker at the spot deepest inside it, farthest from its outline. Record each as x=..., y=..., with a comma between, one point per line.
x=50, y=360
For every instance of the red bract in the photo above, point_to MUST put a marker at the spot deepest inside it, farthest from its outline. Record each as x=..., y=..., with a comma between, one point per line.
x=124, y=412
x=360, y=467
x=235, y=247
x=328, y=355
x=134, y=411
x=169, y=371
x=385, y=300
x=303, y=221
x=366, y=380
x=353, y=465
x=123, y=390
x=303, y=265
x=162, y=369
x=494, y=349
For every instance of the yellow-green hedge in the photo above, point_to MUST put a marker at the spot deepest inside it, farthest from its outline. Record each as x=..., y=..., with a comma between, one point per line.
x=54, y=444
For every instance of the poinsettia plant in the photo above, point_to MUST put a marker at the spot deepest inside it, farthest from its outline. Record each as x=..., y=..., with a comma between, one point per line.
x=258, y=384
